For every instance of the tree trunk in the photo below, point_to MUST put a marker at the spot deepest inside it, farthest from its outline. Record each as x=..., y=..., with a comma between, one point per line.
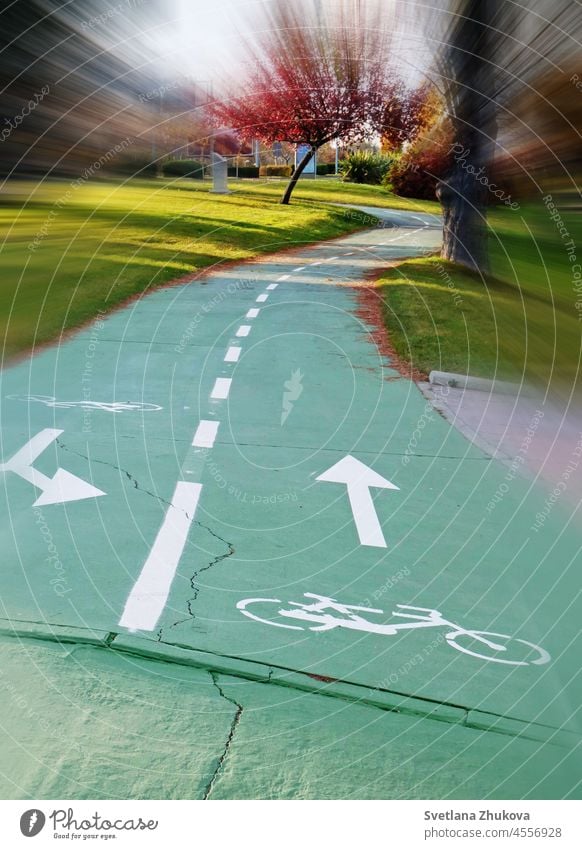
x=470, y=100
x=464, y=203
x=296, y=174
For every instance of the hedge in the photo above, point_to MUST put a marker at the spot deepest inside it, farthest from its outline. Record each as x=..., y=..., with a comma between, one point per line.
x=275, y=171
x=244, y=171
x=184, y=168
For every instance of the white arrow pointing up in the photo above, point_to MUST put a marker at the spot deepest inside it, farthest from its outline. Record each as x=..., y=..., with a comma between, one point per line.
x=62, y=487
x=359, y=478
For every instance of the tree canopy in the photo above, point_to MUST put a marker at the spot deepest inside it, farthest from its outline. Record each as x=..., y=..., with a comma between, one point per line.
x=315, y=76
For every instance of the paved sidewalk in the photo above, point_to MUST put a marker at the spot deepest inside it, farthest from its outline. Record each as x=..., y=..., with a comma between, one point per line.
x=543, y=437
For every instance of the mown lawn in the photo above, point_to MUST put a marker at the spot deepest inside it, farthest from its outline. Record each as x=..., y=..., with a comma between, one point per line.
x=521, y=321
x=67, y=252
x=333, y=190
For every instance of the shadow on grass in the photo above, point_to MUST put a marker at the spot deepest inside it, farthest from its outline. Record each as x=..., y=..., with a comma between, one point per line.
x=442, y=317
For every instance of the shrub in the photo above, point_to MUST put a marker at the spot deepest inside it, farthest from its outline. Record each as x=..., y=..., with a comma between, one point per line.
x=184, y=168
x=275, y=171
x=244, y=171
x=416, y=173
x=364, y=167
x=325, y=168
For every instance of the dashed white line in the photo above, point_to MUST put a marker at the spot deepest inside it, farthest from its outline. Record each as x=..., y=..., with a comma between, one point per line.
x=406, y=234
x=262, y=298
x=243, y=330
x=299, y=268
x=221, y=388
x=272, y=285
x=284, y=277
x=252, y=313
x=232, y=354
x=351, y=253
x=150, y=592
x=205, y=434
x=319, y=261
x=331, y=259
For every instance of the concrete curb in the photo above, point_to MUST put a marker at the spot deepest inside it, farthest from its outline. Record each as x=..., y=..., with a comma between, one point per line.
x=480, y=384
x=147, y=648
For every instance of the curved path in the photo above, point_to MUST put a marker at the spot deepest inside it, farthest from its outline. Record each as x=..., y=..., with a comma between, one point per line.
x=244, y=557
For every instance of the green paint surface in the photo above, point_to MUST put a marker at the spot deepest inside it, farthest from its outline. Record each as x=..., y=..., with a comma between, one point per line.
x=266, y=528
x=81, y=722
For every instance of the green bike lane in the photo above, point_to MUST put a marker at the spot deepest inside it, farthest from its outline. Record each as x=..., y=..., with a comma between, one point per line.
x=240, y=515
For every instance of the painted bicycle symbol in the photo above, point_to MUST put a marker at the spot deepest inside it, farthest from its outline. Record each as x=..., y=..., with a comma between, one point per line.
x=326, y=613
x=107, y=406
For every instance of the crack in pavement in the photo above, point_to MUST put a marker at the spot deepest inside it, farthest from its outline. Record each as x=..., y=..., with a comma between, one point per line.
x=137, y=486
x=128, y=475
x=218, y=559
x=214, y=562
x=233, y=726
x=473, y=718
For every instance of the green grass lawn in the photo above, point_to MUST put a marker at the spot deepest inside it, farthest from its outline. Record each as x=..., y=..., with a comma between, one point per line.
x=333, y=190
x=522, y=320
x=68, y=252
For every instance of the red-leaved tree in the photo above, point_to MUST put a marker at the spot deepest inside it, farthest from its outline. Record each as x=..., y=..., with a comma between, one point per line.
x=407, y=112
x=314, y=76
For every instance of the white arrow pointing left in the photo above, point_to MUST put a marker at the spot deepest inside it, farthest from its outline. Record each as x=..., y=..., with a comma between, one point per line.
x=62, y=487
x=359, y=478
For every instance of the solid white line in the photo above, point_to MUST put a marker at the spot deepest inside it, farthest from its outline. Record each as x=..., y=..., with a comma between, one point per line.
x=252, y=313
x=221, y=388
x=205, y=434
x=243, y=330
x=272, y=285
x=150, y=592
x=262, y=298
x=284, y=277
x=232, y=355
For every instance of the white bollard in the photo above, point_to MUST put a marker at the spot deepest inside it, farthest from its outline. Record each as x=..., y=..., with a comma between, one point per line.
x=219, y=175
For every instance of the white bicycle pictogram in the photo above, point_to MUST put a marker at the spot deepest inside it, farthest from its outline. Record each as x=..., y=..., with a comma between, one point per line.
x=322, y=610
x=107, y=406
